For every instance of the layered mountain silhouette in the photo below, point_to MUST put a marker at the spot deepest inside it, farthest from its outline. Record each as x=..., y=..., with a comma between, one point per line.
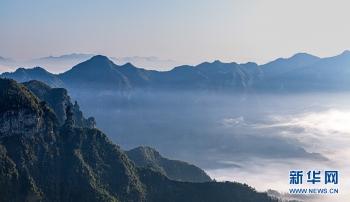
x=304, y=72
x=36, y=73
x=100, y=72
x=298, y=73
x=65, y=58
x=284, y=65
x=89, y=74
x=42, y=159
x=60, y=63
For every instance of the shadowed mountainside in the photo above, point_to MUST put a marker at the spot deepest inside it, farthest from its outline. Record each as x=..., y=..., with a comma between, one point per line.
x=58, y=100
x=42, y=160
x=175, y=170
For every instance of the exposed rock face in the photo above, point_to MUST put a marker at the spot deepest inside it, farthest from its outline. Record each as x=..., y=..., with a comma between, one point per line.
x=42, y=160
x=58, y=100
x=19, y=122
x=49, y=161
x=21, y=113
x=79, y=118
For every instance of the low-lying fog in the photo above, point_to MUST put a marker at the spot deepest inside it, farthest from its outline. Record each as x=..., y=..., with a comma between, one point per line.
x=255, y=139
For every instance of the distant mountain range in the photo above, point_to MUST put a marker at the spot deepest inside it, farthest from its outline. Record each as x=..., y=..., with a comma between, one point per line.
x=102, y=74
x=43, y=158
x=63, y=62
x=301, y=72
x=72, y=57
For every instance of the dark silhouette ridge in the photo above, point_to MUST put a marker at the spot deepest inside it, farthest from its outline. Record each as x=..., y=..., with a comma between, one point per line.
x=301, y=72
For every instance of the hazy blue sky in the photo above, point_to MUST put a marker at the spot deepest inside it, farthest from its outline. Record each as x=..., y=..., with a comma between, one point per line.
x=184, y=30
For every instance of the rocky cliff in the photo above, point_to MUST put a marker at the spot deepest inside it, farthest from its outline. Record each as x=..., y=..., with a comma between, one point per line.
x=44, y=160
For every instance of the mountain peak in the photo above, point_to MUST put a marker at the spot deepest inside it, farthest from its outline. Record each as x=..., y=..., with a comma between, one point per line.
x=249, y=64
x=302, y=55
x=99, y=58
x=39, y=69
x=34, y=69
x=217, y=62
x=16, y=96
x=298, y=58
x=97, y=72
x=97, y=62
x=128, y=65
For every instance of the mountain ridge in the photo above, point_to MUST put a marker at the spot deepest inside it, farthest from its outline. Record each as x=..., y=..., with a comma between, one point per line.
x=280, y=75
x=148, y=157
x=47, y=161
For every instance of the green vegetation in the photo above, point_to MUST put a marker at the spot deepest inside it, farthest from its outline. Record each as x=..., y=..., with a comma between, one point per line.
x=69, y=162
x=16, y=96
x=58, y=100
x=173, y=169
